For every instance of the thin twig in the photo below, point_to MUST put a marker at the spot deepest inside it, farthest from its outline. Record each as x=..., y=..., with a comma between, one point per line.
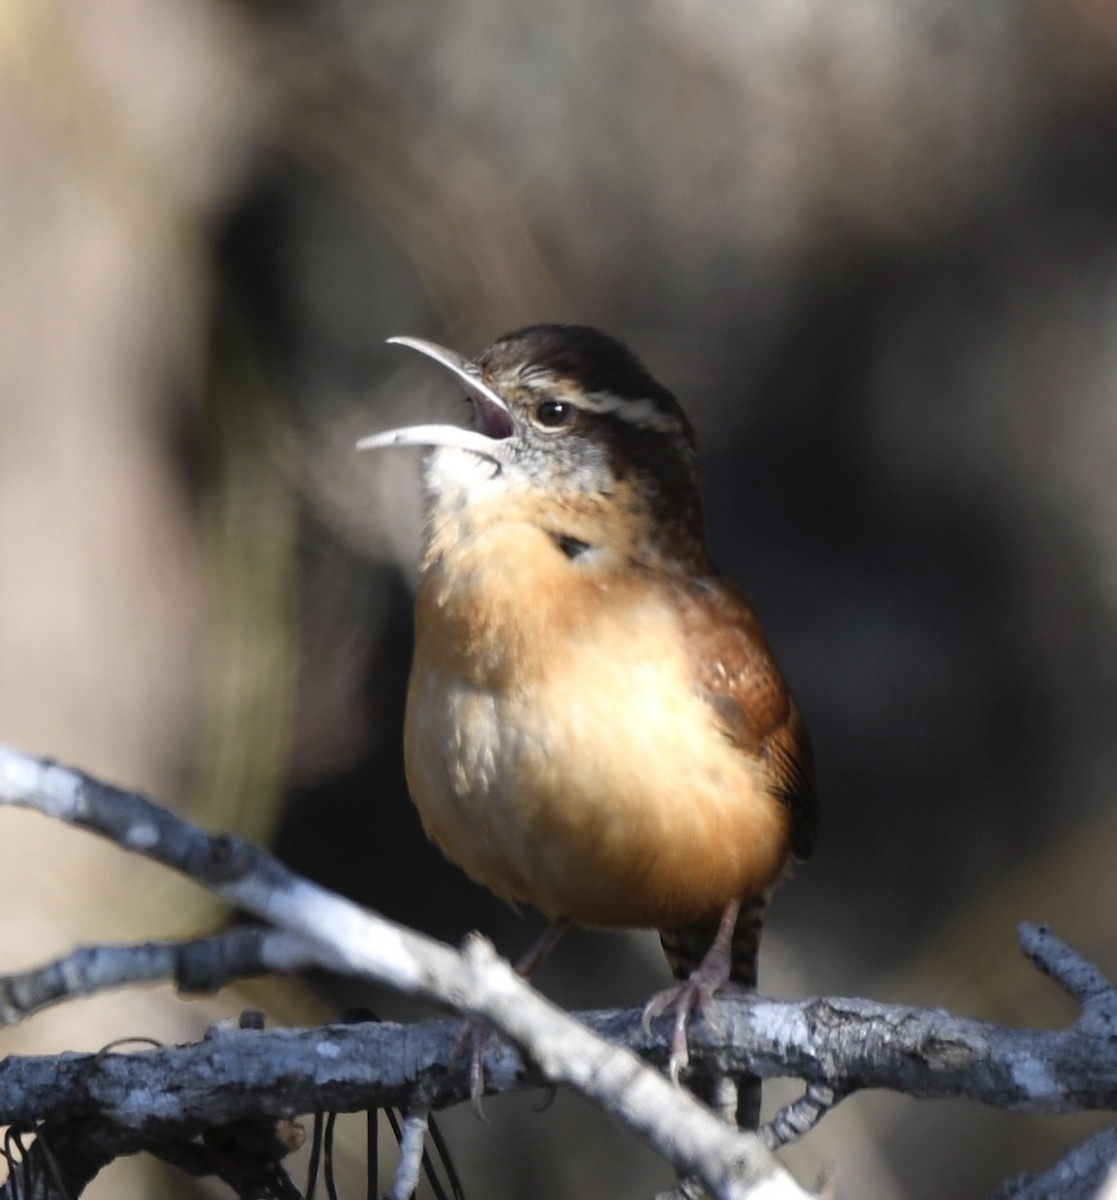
x=201, y=965
x=350, y=940
x=798, y=1118
x=1079, y=1175
x=411, y=1143
x=1079, y=978
x=837, y=1046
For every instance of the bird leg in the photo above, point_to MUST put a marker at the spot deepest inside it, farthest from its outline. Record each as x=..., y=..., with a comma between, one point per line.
x=696, y=992
x=477, y=1033
x=540, y=949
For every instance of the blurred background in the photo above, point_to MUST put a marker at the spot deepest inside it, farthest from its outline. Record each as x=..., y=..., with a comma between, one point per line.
x=873, y=248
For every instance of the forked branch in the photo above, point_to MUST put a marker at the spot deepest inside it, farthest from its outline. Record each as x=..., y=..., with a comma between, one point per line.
x=836, y=1046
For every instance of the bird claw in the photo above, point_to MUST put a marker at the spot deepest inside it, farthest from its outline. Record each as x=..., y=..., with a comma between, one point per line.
x=478, y=1034
x=684, y=998
x=475, y=1034
x=691, y=996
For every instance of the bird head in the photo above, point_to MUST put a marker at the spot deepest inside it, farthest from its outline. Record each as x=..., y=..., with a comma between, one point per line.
x=568, y=432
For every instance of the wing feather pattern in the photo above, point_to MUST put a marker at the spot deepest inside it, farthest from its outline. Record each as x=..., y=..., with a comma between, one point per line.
x=737, y=676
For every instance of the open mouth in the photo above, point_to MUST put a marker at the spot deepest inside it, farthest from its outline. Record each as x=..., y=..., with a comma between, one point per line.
x=492, y=421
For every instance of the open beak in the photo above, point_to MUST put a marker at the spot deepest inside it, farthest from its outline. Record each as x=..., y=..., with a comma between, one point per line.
x=492, y=419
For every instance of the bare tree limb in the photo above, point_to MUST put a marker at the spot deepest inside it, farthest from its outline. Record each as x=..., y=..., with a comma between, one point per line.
x=1080, y=979
x=410, y=1163
x=800, y=1116
x=247, y=1073
x=1078, y=1176
x=836, y=1043
x=837, y=1046
x=201, y=965
x=345, y=938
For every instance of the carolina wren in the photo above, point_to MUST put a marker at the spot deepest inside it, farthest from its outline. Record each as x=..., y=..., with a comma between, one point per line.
x=595, y=723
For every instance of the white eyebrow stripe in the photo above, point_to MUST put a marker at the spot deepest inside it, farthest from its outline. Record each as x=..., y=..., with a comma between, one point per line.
x=644, y=413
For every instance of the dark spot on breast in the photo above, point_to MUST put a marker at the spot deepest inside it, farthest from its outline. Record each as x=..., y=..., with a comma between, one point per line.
x=572, y=547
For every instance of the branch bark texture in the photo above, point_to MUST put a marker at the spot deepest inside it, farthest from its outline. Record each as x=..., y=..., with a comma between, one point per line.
x=330, y=931
x=165, y=1097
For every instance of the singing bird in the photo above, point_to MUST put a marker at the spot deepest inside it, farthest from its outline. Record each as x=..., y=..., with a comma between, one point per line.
x=595, y=723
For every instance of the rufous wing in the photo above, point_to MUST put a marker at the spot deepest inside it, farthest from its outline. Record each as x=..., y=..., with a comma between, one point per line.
x=735, y=673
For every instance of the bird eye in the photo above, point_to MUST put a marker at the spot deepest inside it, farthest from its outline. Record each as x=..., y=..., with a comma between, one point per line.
x=554, y=414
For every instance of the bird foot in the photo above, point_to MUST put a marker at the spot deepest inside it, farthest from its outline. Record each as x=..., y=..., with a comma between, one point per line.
x=476, y=1035
x=687, y=998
